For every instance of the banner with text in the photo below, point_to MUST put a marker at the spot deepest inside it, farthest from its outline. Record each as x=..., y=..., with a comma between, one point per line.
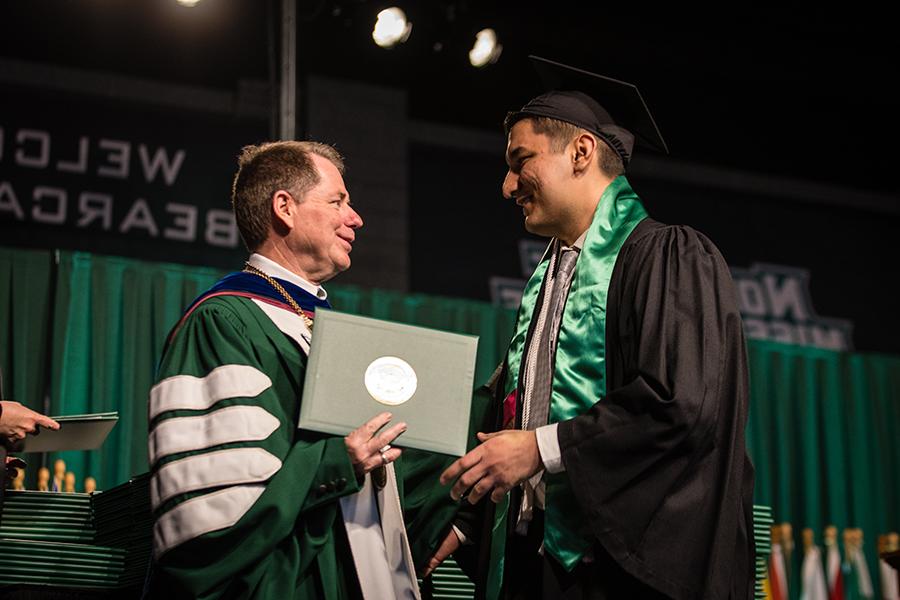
x=119, y=179
x=774, y=300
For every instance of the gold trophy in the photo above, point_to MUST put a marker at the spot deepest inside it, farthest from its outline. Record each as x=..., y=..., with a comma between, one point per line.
x=43, y=479
x=19, y=482
x=59, y=475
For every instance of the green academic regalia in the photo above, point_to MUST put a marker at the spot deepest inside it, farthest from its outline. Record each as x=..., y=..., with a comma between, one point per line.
x=275, y=529
x=287, y=543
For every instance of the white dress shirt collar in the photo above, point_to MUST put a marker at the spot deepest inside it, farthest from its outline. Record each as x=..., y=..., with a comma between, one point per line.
x=270, y=267
x=579, y=243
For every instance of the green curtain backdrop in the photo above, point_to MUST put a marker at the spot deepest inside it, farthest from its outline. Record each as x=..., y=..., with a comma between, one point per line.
x=111, y=318
x=824, y=430
x=25, y=283
x=824, y=434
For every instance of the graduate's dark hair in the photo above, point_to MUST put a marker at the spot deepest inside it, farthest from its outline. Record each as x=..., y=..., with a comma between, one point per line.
x=266, y=169
x=561, y=133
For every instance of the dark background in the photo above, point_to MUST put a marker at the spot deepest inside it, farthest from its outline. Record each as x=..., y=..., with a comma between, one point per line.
x=805, y=92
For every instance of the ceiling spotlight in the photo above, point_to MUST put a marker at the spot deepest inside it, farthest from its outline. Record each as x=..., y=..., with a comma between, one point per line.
x=188, y=2
x=486, y=50
x=391, y=27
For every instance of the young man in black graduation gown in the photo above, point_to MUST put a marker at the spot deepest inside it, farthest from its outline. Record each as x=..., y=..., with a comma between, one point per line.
x=618, y=468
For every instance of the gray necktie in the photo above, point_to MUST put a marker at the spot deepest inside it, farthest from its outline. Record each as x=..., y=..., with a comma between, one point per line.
x=539, y=405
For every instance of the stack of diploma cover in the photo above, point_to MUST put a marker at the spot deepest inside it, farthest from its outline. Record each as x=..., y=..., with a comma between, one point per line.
x=99, y=540
x=123, y=519
x=48, y=538
x=762, y=536
x=360, y=367
x=51, y=538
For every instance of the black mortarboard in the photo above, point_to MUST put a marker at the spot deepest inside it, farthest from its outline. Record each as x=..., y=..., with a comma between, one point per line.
x=575, y=97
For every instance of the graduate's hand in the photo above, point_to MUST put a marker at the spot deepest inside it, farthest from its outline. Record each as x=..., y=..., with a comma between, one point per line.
x=502, y=461
x=17, y=421
x=448, y=546
x=364, y=445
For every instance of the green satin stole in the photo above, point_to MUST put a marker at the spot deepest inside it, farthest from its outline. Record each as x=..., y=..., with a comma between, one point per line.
x=579, y=378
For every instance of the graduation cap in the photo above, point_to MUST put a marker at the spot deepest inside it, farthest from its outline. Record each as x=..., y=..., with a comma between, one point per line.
x=575, y=97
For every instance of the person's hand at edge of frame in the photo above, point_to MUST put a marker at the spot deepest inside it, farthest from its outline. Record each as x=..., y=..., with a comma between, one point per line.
x=18, y=421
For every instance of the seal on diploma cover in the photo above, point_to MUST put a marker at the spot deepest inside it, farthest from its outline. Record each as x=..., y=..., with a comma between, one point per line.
x=390, y=380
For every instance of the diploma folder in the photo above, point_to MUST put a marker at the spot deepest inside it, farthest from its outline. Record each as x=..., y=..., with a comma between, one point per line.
x=76, y=432
x=359, y=367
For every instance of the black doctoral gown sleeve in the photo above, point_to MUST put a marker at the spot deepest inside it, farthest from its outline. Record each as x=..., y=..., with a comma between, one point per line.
x=662, y=471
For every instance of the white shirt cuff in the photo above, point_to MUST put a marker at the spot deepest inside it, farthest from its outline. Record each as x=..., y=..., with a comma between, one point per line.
x=548, y=446
x=463, y=540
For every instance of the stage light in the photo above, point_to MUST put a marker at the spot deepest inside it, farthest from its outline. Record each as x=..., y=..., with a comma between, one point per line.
x=486, y=50
x=391, y=27
x=188, y=2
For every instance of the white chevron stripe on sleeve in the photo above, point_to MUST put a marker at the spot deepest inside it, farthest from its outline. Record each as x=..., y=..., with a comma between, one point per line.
x=203, y=514
x=230, y=424
x=199, y=393
x=215, y=469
